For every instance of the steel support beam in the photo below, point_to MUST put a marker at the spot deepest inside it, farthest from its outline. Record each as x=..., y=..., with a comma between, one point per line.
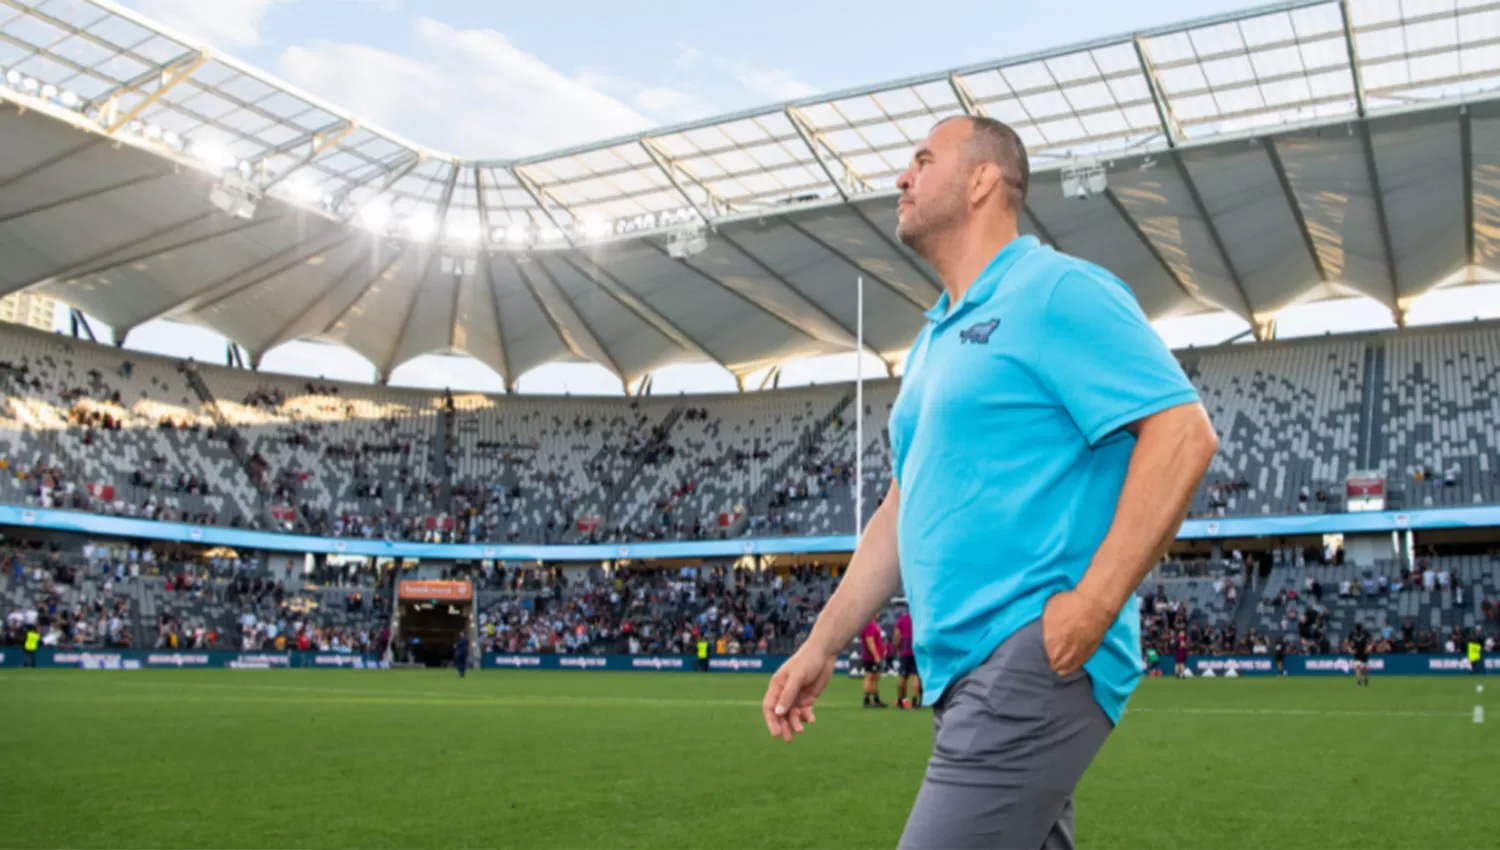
x=1354, y=70
x=171, y=76
x=872, y=275
x=434, y=251
x=747, y=300
x=320, y=141
x=278, y=337
x=584, y=333
x=813, y=306
x=210, y=296
x=489, y=281
x=1466, y=158
x=1170, y=128
x=1377, y=195
x=1130, y=222
x=86, y=265
x=138, y=81
x=539, y=197
x=391, y=175
x=1268, y=143
x=670, y=167
x=1213, y=233
x=621, y=293
x=83, y=196
x=853, y=182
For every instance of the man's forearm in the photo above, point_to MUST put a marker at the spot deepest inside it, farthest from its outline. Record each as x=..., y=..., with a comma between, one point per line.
x=1172, y=452
x=872, y=578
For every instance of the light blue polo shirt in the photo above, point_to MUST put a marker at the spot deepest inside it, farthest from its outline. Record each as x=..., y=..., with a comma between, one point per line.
x=1010, y=453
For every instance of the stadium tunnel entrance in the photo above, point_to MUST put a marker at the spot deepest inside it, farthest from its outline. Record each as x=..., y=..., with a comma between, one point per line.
x=430, y=617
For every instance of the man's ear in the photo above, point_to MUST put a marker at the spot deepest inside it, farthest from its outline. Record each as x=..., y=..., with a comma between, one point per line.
x=986, y=179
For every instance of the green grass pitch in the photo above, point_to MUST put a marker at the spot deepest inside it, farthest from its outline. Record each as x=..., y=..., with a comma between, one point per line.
x=344, y=758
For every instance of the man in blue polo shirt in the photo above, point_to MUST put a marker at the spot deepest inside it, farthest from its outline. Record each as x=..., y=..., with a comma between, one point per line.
x=1046, y=447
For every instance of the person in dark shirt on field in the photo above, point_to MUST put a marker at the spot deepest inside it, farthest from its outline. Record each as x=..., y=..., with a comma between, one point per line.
x=461, y=655
x=1359, y=645
x=1281, y=657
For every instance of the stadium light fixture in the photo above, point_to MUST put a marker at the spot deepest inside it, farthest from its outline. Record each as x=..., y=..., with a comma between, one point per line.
x=29, y=85
x=13, y=77
x=464, y=232
x=212, y=154
x=375, y=216
x=172, y=139
x=517, y=234
x=49, y=92
x=69, y=99
x=421, y=227
x=549, y=234
x=304, y=191
x=152, y=132
x=594, y=228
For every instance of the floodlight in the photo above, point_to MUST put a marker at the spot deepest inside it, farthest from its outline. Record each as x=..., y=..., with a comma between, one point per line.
x=375, y=216
x=212, y=154
x=29, y=85
x=466, y=232
x=49, y=91
x=172, y=139
x=70, y=100
x=549, y=234
x=304, y=191
x=594, y=228
x=13, y=77
x=518, y=233
x=420, y=226
x=152, y=132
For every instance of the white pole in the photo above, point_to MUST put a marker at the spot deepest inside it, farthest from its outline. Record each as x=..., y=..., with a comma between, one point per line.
x=859, y=409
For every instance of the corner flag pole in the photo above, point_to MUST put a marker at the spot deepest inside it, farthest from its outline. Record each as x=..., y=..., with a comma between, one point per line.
x=859, y=409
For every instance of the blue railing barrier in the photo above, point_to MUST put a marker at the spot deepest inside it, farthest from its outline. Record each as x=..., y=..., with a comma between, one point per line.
x=135, y=659
x=131, y=659
x=1372, y=522
x=1330, y=665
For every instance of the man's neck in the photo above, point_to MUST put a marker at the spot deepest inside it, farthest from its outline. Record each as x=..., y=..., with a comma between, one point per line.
x=959, y=259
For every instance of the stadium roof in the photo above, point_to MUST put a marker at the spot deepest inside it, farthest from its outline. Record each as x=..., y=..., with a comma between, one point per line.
x=1250, y=161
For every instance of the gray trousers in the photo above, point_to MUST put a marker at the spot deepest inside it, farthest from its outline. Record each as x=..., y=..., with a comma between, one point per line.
x=1010, y=742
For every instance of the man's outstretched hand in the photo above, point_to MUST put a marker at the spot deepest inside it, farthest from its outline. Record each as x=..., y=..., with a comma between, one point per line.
x=794, y=688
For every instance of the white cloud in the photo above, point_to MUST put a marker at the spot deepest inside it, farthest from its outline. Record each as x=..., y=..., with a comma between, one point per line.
x=670, y=103
x=221, y=23
x=467, y=92
x=771, y=83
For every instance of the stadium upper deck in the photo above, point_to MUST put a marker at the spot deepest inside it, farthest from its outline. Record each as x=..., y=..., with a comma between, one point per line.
x=1247, y=162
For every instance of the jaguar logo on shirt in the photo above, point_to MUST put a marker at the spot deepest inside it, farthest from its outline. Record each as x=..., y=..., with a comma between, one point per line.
x=979, y=334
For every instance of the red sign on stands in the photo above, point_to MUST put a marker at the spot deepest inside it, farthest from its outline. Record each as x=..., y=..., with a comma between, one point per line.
x=283, y=513
x=438, y=523
x=455, y=590
x=1364, y=487
x=587, y=524
x=102, y=491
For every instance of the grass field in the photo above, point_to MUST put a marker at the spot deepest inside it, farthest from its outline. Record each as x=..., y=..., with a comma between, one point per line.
x=342, y=758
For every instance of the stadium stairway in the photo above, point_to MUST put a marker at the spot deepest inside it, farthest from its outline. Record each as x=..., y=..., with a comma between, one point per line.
x=237, y=445
x=759, y=503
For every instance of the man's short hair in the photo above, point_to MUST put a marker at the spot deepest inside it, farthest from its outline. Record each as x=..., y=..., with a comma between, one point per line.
x=994, y=141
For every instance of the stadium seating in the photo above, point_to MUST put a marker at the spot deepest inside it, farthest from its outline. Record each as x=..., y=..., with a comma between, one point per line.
x=1441, y=411
x=95, y=428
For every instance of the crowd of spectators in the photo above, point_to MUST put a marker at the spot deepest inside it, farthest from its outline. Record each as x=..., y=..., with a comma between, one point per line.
x=653, y=611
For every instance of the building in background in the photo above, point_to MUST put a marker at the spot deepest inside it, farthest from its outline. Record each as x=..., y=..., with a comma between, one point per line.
x=29, y=309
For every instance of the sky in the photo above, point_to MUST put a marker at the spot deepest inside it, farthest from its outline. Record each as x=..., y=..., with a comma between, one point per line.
x=500, y=79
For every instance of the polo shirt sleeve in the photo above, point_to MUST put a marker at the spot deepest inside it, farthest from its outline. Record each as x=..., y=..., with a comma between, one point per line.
x=1101, y=359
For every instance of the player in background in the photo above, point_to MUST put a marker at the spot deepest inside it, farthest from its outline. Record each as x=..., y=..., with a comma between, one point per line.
x=1280, y=657
x=1153, y=663
x=906, y=664
x=1359, y=647
x=1180, y=654
x=461, y=654
x=1476, y=653
x=871, y=655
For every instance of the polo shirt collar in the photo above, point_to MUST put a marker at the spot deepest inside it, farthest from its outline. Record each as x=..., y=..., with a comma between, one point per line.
x=984, y=285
